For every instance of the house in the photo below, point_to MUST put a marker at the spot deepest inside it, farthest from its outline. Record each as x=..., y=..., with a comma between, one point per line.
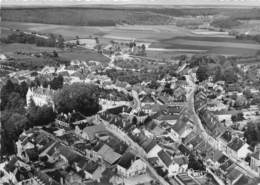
x=168, y=163
x=87, y=168
x=181, y=129
x=147, y=101
x=179, y=94
x=92, y=170
x=169, y=114
x=238, y=149
x=89, y=132
x=153, y=149
x=108, y=154
x=255, y=159
x=130, y=165
x=223, y=140
x=182, y=161
x=233, y=175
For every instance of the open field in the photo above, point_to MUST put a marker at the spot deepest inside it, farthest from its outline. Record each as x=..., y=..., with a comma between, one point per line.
x=215, y=45
x=16, y=47
x=163, y=38
x=83, y=16
x=83, y=54
x=141, y=32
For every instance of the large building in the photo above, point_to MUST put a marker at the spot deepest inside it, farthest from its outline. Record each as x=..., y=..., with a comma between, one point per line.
x=41, y=96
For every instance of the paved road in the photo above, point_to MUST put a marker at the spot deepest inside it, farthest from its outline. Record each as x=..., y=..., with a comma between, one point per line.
x=137, y=103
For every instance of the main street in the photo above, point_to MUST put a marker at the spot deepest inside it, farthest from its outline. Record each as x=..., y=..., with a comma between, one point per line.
x=201, y=130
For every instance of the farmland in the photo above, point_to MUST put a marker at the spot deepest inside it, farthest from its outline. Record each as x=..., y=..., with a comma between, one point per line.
x=158, y=26
x=83, y=16
x=216, y=45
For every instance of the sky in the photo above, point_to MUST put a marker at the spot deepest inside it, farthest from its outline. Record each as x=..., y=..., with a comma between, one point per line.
x=162, y=2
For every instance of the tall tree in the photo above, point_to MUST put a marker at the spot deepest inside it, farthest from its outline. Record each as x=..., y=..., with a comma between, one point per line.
x=202, y=73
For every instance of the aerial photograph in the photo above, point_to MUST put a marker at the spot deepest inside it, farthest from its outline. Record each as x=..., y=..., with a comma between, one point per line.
x=130, y=92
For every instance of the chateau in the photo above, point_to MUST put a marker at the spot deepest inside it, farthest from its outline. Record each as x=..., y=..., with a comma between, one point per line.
x=41, y=96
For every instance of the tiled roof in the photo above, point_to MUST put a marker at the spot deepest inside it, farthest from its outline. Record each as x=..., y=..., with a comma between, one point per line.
x=92, y=130
x=87, y=165
x=226, y=136
x=150, y=146
x=165, y=157
x=234, y=174
x=108, y=154
x=236, y=144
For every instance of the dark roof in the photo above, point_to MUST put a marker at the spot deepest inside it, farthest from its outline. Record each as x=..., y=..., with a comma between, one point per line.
x=87, y=165
x=150, y=146
x=32, y=154
x=165, y=157
x=184, y=150
x=10, y=166
x=226, y=165
x=226, y=136
x=236, y=144
x=222, y=159
x=126, y=160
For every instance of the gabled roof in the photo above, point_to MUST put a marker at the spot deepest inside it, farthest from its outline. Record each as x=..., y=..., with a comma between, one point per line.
x=87, y=165
x=165, y=157
x=92, y=130
x=236, y=144
x=108, y=154
x=150, y=146
x=147, y=99
x=226, y=136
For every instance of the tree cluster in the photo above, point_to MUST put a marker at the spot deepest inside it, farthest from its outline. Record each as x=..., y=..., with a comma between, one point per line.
x=21, y=37
x=225, y=23
x=252, y=133
x=13, y=115
x=39, y=116
x=79, y=97
x=55, y=83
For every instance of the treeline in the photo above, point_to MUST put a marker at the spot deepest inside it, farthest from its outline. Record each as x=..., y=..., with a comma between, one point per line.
x=248, y=37
x=226, y=23
x=55, y=83
x=21, y=37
